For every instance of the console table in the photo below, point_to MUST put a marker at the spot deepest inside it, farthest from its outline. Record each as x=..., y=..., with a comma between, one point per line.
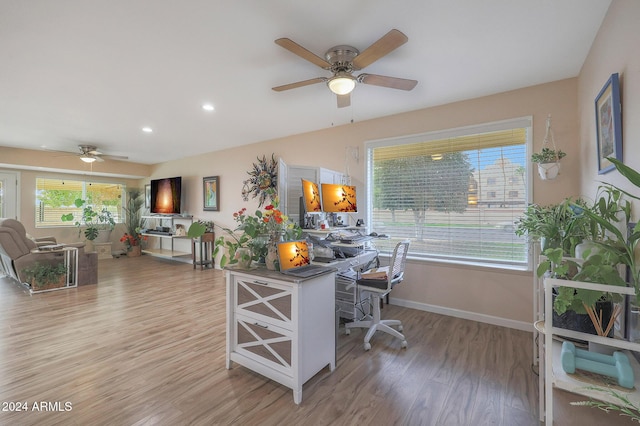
x=281, y=326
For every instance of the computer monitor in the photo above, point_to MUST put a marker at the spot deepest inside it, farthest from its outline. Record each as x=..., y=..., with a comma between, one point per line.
x=338, y=198
x=311, y=196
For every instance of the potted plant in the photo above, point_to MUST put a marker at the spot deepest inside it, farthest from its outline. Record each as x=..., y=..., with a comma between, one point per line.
x=578, y=309
x=135, y=223
x=45, y=276
x=253, y=236
x=556, y=225
x=239, y=245
x=548, y=161
x=94, y=222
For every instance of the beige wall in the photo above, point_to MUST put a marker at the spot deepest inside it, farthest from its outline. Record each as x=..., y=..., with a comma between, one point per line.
x=31, y=164
x=493, y=295
x=614, y=51
x=479, y=291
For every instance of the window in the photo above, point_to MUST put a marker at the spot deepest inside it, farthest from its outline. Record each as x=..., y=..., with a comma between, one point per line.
x=55, y=197
x=429, y=188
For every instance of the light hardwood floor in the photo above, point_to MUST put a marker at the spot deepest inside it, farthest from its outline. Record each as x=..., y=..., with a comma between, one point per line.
x=146, y=346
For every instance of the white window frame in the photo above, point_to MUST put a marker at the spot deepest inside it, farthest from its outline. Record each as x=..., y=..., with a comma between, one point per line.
x=520, y=122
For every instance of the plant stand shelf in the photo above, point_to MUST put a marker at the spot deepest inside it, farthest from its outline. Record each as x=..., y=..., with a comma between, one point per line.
x=551, y=373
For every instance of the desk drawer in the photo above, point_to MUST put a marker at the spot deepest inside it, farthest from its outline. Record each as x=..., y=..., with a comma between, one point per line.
x=265, y=301
x=265, y=343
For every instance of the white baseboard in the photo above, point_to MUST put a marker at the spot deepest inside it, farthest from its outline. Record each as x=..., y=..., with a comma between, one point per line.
x=473, y=316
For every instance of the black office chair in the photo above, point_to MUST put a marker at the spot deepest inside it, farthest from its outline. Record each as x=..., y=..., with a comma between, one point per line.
x=377, y=290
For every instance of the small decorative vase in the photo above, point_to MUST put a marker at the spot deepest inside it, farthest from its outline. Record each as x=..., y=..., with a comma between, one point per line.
x=548, y=171
x=135, y=251
x=243, y=255
x=271, y=260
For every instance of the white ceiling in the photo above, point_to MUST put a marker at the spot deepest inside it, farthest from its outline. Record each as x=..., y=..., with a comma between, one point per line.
x=95, y=71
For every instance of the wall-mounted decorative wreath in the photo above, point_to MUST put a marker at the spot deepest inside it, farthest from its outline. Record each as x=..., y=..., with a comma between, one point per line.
x=263, y=182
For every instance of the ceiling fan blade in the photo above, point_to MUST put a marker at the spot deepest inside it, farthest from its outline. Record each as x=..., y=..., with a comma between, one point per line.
x=300, y=84
x=295, y=48
x=389, y=42
x=98, y=158
x=115, y=157
x=344, y=100
x=384, y=81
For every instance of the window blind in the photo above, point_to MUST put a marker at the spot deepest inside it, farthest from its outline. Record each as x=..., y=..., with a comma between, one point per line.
x=456, y=197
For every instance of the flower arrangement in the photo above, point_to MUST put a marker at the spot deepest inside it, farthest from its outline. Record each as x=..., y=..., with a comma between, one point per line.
x=254, y=232
x=132, y=240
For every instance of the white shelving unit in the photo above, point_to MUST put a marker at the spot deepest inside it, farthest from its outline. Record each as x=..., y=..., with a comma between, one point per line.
x=551, y=373
x=164, y=240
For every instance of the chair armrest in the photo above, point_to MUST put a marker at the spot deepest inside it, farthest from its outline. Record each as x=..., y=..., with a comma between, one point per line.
x=44, y=241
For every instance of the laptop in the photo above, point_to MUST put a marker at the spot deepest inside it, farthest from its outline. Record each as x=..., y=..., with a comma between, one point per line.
x=295, y=261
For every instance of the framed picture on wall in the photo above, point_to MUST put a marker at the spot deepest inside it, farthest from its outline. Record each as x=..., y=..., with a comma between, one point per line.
x=211, y=193
x=609, y=124
x=147, y=196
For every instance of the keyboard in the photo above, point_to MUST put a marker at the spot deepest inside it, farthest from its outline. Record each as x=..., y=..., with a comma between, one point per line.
x=355, y=239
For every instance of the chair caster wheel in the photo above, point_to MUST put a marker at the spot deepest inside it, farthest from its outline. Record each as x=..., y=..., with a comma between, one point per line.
x=403, y=344
x=367, y=346
x=400, y=327
x=347, y=331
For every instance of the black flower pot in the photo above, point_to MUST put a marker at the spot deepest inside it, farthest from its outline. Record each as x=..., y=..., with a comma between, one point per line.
x=582, y=322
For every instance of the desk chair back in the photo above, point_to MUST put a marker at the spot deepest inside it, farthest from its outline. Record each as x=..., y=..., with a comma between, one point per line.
x=395, y=271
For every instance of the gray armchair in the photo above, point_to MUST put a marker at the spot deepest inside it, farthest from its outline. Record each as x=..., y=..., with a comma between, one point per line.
x=16, y=253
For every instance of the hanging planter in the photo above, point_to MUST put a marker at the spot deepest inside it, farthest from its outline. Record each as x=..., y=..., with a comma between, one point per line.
x=548, y=159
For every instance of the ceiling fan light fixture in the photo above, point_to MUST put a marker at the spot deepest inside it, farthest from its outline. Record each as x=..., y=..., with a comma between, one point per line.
x=342, y=83
x=87, y=158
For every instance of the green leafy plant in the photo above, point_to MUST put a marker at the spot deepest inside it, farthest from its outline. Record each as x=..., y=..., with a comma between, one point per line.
x=252, y=233
x=599, y=268
x=41, y=275
x=623, y=405
x=94, y=221
x=560, y=225
x=135, y=223
x=547, y=155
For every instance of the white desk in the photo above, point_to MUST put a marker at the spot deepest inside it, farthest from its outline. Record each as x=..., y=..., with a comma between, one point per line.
x=356, y=262
x=327, y=231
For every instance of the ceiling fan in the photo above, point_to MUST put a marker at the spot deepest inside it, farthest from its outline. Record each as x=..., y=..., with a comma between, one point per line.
x=343, y=60
x=89, y=154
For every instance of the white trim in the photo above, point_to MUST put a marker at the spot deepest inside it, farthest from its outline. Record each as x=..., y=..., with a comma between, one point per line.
x=473, y=316
x=495, y=126
x=70, y=171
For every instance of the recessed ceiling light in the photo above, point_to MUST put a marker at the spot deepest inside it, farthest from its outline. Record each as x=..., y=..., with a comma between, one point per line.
x=207, y=107
x=147, y=129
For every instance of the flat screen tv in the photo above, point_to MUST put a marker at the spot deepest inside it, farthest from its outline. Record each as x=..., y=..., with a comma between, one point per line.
x=166, y=195
x=338, y=198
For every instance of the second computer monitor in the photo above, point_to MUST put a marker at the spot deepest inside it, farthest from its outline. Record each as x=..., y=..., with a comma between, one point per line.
x=337, y=198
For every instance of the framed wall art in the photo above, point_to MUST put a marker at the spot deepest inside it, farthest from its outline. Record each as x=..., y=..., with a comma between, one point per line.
x=609, y=124
x=211, y=193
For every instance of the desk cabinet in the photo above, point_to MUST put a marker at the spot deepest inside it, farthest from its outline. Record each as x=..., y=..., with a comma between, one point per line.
x=279, y=326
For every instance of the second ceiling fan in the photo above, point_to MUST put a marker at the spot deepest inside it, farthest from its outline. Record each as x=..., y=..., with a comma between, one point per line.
x=343, y=60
